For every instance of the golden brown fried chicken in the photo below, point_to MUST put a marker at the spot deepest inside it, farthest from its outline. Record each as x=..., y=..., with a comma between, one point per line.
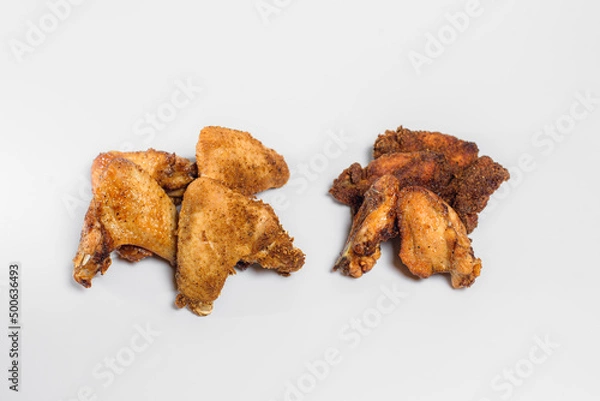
x=218, y=228
x=128, y=208
x=427, y=169
x=239, y=161
x=459, y=153
x=473, y=187
x=173, y=173
x=375, y=222
x=433, y=238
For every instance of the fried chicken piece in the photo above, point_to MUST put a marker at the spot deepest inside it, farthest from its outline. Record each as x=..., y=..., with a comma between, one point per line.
x=473, y=187
x=434, y=239
x=239, y=161
x=426, y=169
x=219, y=228
x=459, y=153
x=173, y=173
x=375, y=222
x=128, y=208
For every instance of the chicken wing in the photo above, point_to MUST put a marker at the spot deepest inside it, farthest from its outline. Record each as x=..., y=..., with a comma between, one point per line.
x=173, y=173
x=239, y=161
x=375, y=222
x=218, y=228
x=434, y=239
x=473, y=187
x=128, y=208
x=459, y=153
x=427, y=169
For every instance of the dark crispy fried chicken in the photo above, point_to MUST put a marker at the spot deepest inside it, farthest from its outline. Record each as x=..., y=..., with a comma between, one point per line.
x=375, y=222
x=427, y=169
x=473, y=187
x=441, y=184
x=462, y=179
x=459, y=153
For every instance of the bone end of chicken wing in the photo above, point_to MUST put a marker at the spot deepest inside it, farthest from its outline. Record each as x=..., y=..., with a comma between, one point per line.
x=95, y=246
x=218, y=228
x=239, y=161
x=375, y=222
x=434, y=239
x=197, y=307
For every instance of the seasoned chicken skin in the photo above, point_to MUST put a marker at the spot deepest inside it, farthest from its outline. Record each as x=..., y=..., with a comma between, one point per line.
x=428, y=169
x=129, y=209
x=475, y=178
x=459, y=153
x=472, y=189
x=467, y=190
x=239, y=161
x=173, y=173
x=219, y=228
x=434, y=239
x=375, y=222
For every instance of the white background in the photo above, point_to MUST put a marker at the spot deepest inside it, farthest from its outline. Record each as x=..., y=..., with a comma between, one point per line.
x=312, y=68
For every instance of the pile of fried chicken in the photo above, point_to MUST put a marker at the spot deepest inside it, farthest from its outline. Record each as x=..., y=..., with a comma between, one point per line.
x=220, y=225
x=425, y=187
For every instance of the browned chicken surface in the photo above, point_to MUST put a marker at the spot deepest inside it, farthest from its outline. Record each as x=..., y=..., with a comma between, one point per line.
x=442, y=185
x=173, y=173
x=473, y=187
x=459, y=153
x=221, y=225
x=467, y=189
x=218, y=229
x=129, y=210
x=375, y=222
x=433, y=238
x=239, y=161
x=426, y=168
